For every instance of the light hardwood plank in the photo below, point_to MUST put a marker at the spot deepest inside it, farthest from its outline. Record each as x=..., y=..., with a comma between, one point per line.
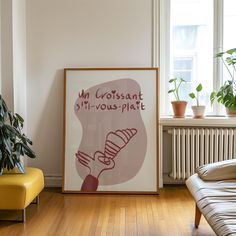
x=171, y=213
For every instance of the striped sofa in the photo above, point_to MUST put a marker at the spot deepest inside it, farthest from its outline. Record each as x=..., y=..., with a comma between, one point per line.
x=214, y=190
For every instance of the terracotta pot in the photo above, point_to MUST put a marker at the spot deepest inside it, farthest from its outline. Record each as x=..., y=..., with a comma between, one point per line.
x=198, y=111
x=179, y=108
x=230, y=112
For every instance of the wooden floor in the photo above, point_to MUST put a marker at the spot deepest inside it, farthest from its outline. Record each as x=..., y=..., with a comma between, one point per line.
x=168, y=214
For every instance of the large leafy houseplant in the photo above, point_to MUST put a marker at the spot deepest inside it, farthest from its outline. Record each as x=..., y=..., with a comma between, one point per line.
x=13, y=143
x=226, y=95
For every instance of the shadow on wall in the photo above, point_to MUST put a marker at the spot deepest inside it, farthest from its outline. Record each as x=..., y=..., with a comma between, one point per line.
x=48, y=135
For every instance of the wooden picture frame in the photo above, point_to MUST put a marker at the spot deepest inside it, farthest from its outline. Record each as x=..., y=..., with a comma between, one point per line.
x=111, y=131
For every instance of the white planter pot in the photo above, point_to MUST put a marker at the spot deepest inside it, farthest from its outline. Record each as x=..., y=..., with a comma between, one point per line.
x=198, y=111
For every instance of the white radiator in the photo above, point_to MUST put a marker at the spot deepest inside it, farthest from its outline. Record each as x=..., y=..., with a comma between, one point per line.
x=192, y=147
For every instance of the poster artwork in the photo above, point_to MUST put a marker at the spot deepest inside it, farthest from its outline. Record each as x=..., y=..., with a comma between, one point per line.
x=114, y=138
x=111, y=129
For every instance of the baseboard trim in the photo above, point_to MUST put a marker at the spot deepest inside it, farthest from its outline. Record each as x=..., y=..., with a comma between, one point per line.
x=56, y=181
x=53, y=181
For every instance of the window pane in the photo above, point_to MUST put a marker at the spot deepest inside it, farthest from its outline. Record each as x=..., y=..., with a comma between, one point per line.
x=191, y=48
x=183, y=68
x=185, y=36
x=229, y=28
x=183, y=63
x=229, y=24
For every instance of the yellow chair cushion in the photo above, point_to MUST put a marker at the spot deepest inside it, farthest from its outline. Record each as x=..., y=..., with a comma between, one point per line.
x=17, y=191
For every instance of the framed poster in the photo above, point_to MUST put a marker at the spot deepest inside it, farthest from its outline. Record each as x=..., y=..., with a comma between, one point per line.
x=111, y=130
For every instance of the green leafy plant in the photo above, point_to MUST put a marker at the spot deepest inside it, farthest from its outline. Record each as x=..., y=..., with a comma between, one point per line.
x=229, y=60
x=196, y=96
x=226, y=95
x=177, y=81
x=13, y=143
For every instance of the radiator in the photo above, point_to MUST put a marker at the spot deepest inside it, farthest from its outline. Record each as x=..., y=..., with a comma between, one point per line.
x=192, y=147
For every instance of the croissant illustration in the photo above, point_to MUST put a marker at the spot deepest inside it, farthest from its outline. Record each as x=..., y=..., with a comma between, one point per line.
x=117, y=140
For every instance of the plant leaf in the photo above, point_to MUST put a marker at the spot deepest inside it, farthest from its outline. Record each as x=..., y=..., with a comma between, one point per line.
x=192, y=95
x=13, y=130
x=212, y=97
x=19, y=117
x=199, y=88
x=231, y=51
x=7, y=144
x=28, y=151
x=26, y=140
x=20, y=167
x=171, y=91
x=172, y=80
x=220, y=54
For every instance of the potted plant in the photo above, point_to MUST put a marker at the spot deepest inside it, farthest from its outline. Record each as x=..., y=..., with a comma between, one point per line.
x=13, y=143
x=226, y=95
x=178, y=106
x=198, y=110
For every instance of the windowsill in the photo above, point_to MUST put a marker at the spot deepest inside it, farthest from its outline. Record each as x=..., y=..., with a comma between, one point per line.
x=206, y=121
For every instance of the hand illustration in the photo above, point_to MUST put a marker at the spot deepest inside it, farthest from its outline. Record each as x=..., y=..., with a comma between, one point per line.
x=115, y=141
x=95, y=165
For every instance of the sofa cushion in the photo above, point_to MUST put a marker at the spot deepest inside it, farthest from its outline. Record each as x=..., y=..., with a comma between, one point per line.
x=218, y=171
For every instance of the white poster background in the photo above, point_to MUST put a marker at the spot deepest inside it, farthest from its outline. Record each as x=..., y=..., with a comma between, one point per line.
x=76, y=80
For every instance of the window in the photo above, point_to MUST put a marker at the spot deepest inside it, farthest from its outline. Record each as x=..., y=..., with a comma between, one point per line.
x=193, y=33
x=229, y=38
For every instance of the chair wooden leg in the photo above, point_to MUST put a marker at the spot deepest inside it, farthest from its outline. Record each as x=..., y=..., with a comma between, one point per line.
x=198, y=215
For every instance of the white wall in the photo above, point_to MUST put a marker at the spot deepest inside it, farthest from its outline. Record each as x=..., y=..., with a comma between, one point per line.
x=76, y=33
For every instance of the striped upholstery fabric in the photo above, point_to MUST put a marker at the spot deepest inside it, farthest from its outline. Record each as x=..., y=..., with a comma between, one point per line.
x=218, y=171
x=217, y=202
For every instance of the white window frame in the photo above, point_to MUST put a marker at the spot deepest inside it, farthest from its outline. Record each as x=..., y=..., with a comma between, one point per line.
x=164, y=52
